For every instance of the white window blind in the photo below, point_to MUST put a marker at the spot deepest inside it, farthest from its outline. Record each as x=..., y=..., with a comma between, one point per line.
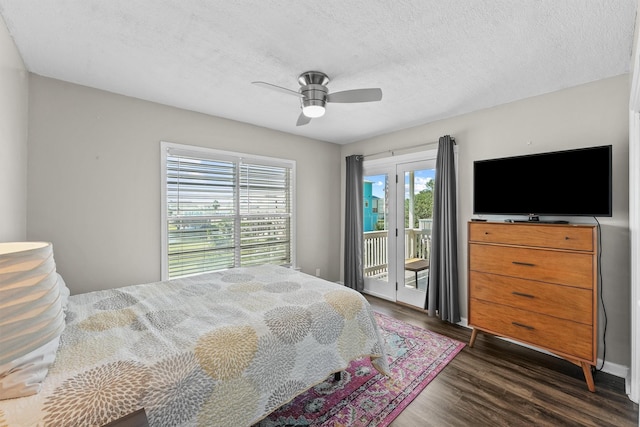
x=225, y=210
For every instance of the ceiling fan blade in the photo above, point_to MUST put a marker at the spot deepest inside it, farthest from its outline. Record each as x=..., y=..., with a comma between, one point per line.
x=278, y=88
x=303, y=120
x=356, y=95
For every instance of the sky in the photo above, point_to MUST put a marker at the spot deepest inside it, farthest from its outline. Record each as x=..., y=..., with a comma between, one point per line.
x=421, y=177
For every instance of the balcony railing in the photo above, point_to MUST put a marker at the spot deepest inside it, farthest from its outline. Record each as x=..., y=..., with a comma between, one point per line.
x=417, y=244
x=375, y=253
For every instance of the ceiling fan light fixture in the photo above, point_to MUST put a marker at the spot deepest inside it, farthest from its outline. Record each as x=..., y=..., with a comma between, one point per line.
x=313, y=111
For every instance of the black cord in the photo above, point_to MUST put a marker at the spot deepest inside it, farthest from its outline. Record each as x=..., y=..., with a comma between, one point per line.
x=604, y=309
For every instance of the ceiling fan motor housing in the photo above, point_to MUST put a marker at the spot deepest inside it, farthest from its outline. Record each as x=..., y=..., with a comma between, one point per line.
x=313, y=88
x=313, y=94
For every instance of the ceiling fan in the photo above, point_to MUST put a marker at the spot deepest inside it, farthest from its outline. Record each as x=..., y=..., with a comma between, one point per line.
x=313, y=94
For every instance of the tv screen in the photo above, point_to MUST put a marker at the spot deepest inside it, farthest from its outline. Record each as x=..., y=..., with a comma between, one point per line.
x=560, y=183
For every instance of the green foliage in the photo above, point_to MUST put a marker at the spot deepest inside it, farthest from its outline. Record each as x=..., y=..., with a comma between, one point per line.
x=422, y=205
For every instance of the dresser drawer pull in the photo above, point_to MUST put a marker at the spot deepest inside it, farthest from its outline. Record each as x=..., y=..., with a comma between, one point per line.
x=520, y=294
x=526, y=264
x=522, y=325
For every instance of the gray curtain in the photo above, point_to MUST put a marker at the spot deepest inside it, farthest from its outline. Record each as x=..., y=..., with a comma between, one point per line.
x=443, y=272
x=353, y=225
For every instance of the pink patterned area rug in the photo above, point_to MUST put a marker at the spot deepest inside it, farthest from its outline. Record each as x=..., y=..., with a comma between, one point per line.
x=364, y=397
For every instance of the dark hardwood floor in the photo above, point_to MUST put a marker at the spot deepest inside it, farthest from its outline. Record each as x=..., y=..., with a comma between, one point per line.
x=497, y=383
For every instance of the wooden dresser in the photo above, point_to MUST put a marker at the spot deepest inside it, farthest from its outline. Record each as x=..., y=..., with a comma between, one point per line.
x=537, y=284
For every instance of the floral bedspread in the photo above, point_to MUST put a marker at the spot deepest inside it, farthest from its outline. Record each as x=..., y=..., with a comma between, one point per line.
x=218, y=349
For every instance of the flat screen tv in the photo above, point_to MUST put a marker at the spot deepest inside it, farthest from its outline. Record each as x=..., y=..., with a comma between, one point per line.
x=560, y=183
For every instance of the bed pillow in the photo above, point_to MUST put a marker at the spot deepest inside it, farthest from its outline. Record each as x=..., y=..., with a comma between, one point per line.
x=31, y=316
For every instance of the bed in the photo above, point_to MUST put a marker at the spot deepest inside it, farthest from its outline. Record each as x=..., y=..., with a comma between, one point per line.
x=218, y=349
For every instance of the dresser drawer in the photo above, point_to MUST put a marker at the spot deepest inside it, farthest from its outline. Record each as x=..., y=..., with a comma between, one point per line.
x=563, y=336
x=553, y=300
x=537, y=235
x=565, y=268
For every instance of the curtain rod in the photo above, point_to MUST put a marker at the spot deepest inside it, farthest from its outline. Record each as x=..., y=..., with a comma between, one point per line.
x=405, y=148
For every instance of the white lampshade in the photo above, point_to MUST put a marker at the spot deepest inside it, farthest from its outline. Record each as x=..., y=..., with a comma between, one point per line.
x=31, y=312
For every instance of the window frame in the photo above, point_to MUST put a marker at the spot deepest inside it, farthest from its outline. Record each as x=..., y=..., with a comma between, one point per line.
x=219, y=155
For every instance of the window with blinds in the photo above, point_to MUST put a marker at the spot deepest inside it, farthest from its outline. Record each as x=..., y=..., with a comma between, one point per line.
x=224, y=210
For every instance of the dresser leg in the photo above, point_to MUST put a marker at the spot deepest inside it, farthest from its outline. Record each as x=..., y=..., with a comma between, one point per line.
x=474, y=335
x=586, y=368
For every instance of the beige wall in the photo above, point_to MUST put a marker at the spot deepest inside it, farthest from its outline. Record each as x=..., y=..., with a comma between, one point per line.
x=14, y=92
x=94, y=181
x=587, y=115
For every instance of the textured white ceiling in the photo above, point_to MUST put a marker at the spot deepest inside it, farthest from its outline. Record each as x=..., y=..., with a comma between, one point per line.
x=432, y=58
